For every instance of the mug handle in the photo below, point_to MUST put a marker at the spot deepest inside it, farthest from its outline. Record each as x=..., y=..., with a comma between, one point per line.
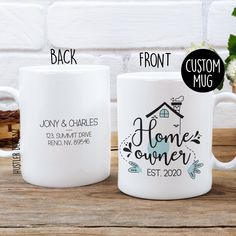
x=228, y=98
x=15, y=94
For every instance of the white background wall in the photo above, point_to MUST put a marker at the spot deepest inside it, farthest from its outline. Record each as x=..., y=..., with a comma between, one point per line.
x=113, y=33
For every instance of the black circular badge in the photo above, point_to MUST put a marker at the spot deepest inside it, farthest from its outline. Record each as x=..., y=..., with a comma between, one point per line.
x=203, y=70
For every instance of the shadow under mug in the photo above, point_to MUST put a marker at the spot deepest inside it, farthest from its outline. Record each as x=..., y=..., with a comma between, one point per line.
x=165, y=136
x=64, y=124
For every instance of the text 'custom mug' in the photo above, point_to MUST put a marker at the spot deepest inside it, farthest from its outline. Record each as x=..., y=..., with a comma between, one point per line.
x=64, y=124
x=165, y=136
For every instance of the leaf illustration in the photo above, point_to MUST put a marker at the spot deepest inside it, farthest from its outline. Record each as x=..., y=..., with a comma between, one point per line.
x=192, y=175
x=130, y=145
x=133, y=170
x=126, y=149
x=195, y=141
x=133, y=164
x=196, y=134
x=194, y=169
x=199, y=165
x=135, y=167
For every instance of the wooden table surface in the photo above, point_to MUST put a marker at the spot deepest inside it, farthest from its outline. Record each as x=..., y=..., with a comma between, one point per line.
x=101, y=209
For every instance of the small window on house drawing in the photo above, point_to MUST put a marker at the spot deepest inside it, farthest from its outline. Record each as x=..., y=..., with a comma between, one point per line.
x=164, y=113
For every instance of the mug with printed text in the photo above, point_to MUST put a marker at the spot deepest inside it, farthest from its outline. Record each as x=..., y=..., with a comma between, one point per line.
x=165, y=136
x=64, y=124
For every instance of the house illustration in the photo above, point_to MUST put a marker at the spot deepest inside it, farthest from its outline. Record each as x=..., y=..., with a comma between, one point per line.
x=169, y=115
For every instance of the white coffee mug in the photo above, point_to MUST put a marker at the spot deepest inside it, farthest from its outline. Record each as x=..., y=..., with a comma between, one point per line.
x=165, y=136
x=64, y=124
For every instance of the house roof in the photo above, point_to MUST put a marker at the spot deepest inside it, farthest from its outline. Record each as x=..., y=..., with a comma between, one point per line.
x=164, y=104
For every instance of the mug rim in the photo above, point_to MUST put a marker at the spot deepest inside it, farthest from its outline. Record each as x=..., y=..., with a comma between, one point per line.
x=48, y=69
x=151, y=76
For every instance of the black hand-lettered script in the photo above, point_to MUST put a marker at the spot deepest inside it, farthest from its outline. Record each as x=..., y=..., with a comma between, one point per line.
x=155, y=138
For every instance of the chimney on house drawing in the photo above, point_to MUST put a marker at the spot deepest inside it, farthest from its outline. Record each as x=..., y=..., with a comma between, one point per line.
x=176, y=103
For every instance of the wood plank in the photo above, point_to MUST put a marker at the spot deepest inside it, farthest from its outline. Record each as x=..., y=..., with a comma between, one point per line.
x=224, y=153
x=103, y=205
x=114, y=140
x=224, y=137
x=112, y=231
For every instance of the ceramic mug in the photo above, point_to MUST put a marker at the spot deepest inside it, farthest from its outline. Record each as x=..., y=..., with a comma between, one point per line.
x=64, y=124
x=165, y=136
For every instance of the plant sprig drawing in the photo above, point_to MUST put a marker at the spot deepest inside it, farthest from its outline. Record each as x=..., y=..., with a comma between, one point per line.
x=128, y=149
x=194, y=169
x=135, y=167
x=196, y=138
